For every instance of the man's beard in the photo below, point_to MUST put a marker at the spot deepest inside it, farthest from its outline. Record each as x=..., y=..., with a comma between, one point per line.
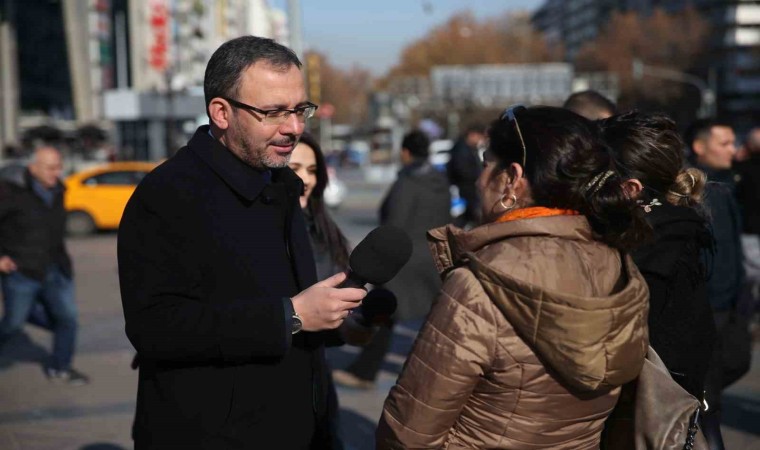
x=259, y=158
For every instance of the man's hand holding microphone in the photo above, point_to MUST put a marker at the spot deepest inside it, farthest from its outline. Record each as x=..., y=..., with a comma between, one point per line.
x=325, y=305
x=376, y=260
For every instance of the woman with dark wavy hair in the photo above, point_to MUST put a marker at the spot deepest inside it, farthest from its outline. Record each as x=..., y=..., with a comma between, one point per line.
x=650, y=158
x=542, y=315
x=331, y=248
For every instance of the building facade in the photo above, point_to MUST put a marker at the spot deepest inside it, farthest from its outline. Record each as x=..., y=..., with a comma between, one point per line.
x=161, y=53
x=135, y=64
x=734, y=46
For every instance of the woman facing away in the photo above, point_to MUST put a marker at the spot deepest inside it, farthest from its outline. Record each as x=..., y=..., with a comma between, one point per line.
x=649, y=152
x=542, y=315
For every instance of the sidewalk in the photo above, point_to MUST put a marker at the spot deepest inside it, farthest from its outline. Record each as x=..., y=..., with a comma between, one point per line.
x=37, y=415
x=360, y=410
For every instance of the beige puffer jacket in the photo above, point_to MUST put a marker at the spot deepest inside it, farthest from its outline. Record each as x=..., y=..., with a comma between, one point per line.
x=535, y=330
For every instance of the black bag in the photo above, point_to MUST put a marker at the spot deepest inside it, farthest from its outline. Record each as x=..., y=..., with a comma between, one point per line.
x=735, y=342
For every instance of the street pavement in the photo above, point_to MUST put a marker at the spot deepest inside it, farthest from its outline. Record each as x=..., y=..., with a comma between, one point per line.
x=38, y=415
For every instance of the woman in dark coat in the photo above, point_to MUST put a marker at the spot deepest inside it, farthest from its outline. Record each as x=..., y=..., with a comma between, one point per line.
x=418, y=201
x=648, y=149
x=330, y=246
x=330, y=249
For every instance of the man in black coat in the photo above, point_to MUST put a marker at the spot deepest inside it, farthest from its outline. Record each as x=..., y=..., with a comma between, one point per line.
x=419, y=200
x=217, y=274
x=34, y=263
x=713, y=145
x=463, y=170
x=748, y=195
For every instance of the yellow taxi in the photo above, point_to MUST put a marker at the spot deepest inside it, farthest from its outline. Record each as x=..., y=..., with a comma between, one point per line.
x=95, y=198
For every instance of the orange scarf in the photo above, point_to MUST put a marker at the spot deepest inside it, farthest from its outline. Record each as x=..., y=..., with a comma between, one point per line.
x=535, y=211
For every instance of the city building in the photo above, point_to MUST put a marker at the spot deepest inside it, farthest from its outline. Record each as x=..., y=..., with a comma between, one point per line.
x=502, y=84
x=158, y=100
x=133, y=66
x=734, y=45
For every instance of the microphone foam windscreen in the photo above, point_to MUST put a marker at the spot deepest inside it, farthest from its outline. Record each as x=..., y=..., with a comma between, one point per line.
x=381, y=255
x=379, y=302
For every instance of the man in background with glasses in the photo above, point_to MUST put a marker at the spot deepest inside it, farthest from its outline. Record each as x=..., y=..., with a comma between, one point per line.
x=217, y=275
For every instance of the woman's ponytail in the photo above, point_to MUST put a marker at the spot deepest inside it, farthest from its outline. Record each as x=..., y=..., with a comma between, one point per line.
x=688, y=188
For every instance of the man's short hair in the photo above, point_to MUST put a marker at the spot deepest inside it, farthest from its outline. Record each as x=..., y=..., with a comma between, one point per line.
x=591, y=105
x=701, y=129
x=475, y=128
x=223, y=71
x=418, y=144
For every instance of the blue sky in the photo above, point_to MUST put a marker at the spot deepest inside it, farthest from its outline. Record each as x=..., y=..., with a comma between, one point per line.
x=372, y=33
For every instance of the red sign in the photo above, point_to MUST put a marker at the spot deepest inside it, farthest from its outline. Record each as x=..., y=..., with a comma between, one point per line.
x=325, y=111
x=159, y=25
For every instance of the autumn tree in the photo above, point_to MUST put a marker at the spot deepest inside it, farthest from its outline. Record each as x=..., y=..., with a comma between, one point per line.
x=671, y=41
x=346, y=89
x=463, y=39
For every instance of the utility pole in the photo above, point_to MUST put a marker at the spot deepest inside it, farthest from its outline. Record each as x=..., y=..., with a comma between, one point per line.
x=294, y=23
x=78, y=46
x=707, y=105
x=9, y=88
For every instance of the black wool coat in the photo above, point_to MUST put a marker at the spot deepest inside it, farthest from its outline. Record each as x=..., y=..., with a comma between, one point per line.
x=418, y=201
x=681, y=326
x=209, y=253
x=748, y=193
x=31, y=232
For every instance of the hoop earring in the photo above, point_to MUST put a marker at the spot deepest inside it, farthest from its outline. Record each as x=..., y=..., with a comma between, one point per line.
x=511, y=197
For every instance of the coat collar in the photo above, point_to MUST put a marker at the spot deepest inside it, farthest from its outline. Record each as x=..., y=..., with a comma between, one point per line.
x=449, y=244
x=239, y=176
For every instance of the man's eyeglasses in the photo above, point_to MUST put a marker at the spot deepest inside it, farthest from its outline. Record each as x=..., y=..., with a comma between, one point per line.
x=278, y=116
x=510, y=115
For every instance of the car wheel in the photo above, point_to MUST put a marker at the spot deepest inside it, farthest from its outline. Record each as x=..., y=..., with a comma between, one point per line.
x=79, y=223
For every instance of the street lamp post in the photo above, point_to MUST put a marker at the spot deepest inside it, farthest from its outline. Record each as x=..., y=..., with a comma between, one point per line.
x=707, y=105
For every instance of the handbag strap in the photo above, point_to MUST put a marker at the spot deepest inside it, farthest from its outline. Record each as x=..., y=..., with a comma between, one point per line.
x=691, y=434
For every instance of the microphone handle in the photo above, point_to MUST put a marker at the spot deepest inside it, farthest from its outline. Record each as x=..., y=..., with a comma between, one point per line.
x=352, y=281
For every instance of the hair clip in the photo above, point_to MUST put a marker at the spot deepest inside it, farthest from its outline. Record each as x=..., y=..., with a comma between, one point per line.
x=654, y=202
x=597, y=182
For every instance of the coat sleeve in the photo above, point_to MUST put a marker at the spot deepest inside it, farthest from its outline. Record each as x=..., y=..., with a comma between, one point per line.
x=168, y=316
x=399, y=205
x=5, y=211
x=452, y=352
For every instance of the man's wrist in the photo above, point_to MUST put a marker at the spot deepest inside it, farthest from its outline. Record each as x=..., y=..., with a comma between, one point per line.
x=293, y=322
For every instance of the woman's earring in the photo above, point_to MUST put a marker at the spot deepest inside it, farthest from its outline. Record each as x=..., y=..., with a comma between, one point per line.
x=512, y=205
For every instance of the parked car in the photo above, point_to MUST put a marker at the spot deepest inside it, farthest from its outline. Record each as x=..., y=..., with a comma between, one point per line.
x=95, y=198
x=336, y=190
x=440, y=153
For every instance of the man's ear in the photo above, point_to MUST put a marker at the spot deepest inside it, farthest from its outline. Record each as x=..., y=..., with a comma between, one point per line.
x=632, y=188
x=699, y=147
x=219, y=111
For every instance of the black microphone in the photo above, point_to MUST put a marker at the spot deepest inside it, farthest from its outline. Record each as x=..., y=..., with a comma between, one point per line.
x=379, y=257
x=377, y=307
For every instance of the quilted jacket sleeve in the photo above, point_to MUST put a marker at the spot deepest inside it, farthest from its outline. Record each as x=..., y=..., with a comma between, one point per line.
x=453, y=350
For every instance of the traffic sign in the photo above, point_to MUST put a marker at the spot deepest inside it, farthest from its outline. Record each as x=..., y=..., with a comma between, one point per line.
x=325, y=111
